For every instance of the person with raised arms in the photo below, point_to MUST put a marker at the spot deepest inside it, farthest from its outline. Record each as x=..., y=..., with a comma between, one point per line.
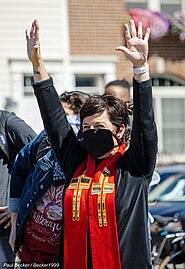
x=106, y=189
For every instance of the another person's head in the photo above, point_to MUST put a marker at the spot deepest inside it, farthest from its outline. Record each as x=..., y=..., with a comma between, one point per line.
x=119, y=89
x=104, y=119
x=72, y=103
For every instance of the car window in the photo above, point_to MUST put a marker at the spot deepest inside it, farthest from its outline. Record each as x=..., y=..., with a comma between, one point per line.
x=174, y=192
x=171, y=190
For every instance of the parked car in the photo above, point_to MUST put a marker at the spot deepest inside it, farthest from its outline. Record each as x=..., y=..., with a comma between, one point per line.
x=168, y=198
x=166, y=171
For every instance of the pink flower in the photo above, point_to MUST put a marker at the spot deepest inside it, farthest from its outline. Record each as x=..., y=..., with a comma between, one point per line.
x=158, y=23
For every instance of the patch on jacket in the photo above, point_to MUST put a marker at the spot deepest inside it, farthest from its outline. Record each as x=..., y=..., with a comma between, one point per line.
x=58, y=174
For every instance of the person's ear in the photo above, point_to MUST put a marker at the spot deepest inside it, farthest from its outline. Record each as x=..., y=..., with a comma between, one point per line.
x=121, y=132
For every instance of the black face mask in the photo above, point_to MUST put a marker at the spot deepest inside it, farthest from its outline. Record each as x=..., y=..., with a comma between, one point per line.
x=98, y=142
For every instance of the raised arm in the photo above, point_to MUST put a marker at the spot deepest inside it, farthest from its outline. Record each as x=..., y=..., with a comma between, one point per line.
x=143, y=146
x=34, y=53
x=136, y=50
x=59, y=132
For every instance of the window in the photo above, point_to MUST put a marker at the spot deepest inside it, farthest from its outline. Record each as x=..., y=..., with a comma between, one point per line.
x=28, y=81
x=93, y=83
x=170, y=6
x=136, y=4
x=169, y=106
x=165, y=80
x=85, y=81
x=173, y=125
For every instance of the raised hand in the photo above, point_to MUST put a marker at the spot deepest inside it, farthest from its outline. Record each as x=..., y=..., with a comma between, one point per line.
x=136, y=48
x=33, y=51
x=33, y=43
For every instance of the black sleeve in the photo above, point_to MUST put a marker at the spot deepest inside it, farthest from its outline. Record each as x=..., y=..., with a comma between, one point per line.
x=65, y=145
x=18, y=134
x=143, y=146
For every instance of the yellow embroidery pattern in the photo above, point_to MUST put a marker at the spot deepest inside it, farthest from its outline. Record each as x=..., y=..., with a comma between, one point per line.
x=78, y=184
x=101, y=189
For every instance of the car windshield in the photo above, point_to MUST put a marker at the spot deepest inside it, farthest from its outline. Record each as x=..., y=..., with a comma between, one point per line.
x=171, y=190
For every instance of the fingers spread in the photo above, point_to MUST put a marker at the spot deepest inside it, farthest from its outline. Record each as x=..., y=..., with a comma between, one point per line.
x=34, y=31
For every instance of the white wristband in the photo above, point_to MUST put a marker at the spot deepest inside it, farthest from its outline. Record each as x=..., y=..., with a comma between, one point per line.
x=140, y=70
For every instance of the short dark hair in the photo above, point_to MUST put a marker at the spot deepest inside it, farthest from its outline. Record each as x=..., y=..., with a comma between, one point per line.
x=75, y=99
x=123, y=83
x=116, y=109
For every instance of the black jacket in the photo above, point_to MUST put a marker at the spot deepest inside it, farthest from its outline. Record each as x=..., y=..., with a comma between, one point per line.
x=14, y=134
x=134, y=170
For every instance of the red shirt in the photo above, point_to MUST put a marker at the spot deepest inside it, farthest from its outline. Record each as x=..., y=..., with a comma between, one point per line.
x=42, y=230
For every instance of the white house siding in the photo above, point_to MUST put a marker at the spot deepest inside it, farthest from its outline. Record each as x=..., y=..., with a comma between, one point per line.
x=15, y=17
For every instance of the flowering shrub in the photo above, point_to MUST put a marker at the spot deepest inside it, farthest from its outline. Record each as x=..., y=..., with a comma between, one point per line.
x=178, y=24
x=159, y=23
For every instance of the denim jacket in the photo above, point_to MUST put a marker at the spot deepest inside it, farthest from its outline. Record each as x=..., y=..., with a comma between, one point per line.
x=30, y=179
